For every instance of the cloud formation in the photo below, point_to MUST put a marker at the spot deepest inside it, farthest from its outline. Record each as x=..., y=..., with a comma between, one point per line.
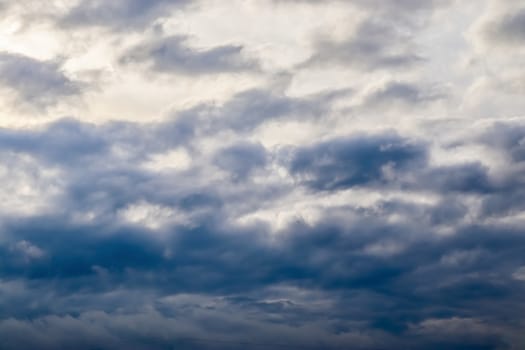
x=509, y=28
x=374, y=45
x=345, y=194
x=35, y=82
x=172, y=54
x=120, y=14
x=355, y=161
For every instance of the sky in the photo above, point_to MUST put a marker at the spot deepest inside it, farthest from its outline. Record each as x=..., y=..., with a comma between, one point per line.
x=262, y=174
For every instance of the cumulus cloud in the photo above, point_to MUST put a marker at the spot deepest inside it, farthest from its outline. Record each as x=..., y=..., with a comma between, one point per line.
x=35, y=82
x=508, y=28
x=341, y=163
x=241, y=159
x=384, y=5
x=358, y=262
x=248, y=110
x=374, y=45
x=173, y=55
x=404, y=93
x=120, y=14
x=249, y=211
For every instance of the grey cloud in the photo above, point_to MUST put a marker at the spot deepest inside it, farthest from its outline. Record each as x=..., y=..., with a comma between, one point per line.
x=383, y=279
x=507, y=29
x=173, y=55
x=374, y=45
x=354, y=161
x=101, y=162
x=464, y=178
x=405, y=7
x=35, y=82
x=69, y=141
x=392, y=161
x=384, y=40
x=403, y=92
x=241, y=159
x=248, y=110
x=382, y=5
x=255, y=247
x=504, y=203
x=218, y=260
x=119, y=14
x=509, y=138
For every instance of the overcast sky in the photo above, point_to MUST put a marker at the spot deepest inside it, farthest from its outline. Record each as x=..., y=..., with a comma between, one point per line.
x=292, y=174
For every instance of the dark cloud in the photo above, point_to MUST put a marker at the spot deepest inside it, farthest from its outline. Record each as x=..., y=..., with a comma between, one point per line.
x=119, y=14
x=249, y=109
x=366, y=277
x=360, y=241
x=508, y=28
x=70, y=142
x=402, y=92
x=432, y=278
x=240, y=160
x=507, y=196
x=355, y=161
x=383, y=40
x=464, y=178
x=101, y=162
x=508, y=138
x=37, y=83
x=173, y=55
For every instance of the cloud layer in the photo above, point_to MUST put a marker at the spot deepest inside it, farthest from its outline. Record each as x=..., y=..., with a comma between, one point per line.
x=177, y=178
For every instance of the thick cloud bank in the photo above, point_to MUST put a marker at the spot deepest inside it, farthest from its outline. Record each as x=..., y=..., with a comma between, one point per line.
x=217, y=187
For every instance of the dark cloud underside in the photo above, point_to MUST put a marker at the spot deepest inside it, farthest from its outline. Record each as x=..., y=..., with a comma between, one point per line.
x=393, y=282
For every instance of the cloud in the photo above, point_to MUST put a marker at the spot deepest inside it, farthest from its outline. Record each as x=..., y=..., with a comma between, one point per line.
x=247, y=110
x=374, y=45
x=173, y=55
x=508, y=28
x=120, y=14
x=465, y=178
x=264, y=215
x=241, y=159
x=402, y=92
x=69, y=141
x=354, y=161
x=216, y=260
x=508, y=138
x=38, y=83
